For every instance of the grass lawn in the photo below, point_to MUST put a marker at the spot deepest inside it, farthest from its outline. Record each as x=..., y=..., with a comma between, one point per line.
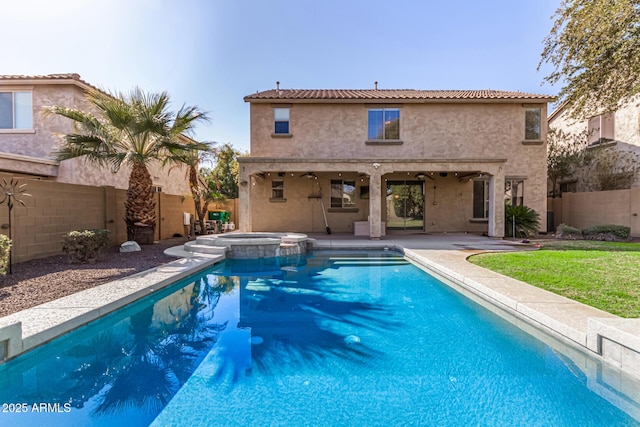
x=605, y=275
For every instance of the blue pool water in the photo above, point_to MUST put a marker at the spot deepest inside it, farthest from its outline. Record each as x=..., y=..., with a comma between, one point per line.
x=333, y=339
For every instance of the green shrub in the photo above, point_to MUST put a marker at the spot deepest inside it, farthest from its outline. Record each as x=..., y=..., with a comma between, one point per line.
x=5, y=252
x=85, y=246
x=526, y=221
x=567, y=232
x=607, y=233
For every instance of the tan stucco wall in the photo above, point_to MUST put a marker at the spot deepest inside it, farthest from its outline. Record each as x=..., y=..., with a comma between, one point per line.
x=57, y=208
x=429, y=133
x=620, y=207
x=43, y=140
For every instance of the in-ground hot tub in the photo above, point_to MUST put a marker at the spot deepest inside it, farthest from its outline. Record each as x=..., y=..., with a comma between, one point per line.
x=252, y=245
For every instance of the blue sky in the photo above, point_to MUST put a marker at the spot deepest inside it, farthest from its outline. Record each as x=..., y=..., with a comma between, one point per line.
x=212, y=53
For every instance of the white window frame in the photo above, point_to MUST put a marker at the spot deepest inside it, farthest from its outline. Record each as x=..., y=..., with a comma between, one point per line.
x=343, y=183
x=508, y=191
x=13, y=127
x=384, y=124
x=485, y=196
x=601, y=129
x=279, y=114
x=277, y=189
x=538, y=130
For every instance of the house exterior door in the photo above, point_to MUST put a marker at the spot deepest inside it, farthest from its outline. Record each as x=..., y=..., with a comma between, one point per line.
x=405, y=205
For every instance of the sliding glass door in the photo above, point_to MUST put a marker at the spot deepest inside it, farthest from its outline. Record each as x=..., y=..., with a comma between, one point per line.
x=405, y=205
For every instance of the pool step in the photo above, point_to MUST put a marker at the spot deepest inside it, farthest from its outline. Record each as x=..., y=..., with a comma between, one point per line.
x=367, y=261
x=204, y=248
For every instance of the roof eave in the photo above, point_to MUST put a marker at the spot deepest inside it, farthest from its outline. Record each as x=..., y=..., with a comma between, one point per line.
x=531, y=100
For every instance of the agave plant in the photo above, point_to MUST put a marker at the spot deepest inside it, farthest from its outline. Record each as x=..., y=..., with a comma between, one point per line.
x=521, y=221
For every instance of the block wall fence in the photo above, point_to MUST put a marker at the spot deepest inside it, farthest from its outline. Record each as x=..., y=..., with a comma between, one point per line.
x=582, y=210
x=54, y=209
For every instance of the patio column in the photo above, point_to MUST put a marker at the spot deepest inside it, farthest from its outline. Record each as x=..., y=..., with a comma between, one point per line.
x=375, y=205
x=244, y=197
x=496, y=205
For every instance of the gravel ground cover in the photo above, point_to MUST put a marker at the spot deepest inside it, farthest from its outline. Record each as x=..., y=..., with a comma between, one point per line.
x=38, y=281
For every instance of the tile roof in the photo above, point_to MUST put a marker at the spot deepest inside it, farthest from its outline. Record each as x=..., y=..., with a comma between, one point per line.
x=46, y=77
x=391, y=94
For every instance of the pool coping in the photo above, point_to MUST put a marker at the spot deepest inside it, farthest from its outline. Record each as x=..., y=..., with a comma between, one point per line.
x=24, y=330
x=614, y=339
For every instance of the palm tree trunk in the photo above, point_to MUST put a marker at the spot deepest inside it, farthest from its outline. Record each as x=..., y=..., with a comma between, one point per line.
x=140, y=207
x=196, y=192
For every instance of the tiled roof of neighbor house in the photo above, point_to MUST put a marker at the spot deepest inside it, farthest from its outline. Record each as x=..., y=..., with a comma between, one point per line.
x=392, y=95
x=57, y=78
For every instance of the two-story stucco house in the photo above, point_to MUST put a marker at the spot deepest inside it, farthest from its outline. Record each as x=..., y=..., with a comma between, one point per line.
x=618, y=130
x=28, y=138
x=380, y=161
x=73, y=194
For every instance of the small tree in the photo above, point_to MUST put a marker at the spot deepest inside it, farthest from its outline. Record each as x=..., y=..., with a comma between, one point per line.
x=596, y=167
x=607, y=168
x=197, y=186
x=225, y=172
x=593, y=47
x=565, y=153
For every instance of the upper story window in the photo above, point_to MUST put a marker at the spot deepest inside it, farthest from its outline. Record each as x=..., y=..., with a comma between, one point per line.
x=601, y=129
x=16, y=111
x=384, y=123
x=343, y=193
x=532, y=124
x=281, y=120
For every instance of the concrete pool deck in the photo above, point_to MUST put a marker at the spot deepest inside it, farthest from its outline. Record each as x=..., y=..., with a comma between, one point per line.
x=611, y=338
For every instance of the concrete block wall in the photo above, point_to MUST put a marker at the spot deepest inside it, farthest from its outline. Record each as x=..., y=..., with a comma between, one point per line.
x=56, y=208
x=582, y=210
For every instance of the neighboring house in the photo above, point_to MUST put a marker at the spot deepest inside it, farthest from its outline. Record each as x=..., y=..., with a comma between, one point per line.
x=72, y=194
x=28, y=137
x=387, y=160
x=619, y=130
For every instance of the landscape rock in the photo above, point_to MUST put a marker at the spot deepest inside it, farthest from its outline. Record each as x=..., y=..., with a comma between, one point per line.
x=130, y=246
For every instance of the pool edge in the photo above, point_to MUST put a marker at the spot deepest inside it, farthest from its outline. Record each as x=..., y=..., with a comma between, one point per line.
x=30, y=328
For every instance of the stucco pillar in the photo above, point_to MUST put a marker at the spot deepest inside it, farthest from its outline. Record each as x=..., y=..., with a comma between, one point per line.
x=375, y=205
x=244, y=197
x=496, y=204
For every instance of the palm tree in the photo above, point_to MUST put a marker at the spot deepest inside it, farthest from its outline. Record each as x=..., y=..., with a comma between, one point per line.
x=133, y=129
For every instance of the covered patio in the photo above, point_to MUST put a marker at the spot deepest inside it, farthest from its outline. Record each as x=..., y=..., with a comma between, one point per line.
x=301, y=195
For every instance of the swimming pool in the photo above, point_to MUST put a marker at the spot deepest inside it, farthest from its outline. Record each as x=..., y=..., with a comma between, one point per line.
x=344, y=338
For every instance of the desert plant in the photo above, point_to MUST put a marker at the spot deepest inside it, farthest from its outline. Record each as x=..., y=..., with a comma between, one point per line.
x=567, y=232
x=521, y=221
x=85, y=246
x=609, y=233
x=5, y=251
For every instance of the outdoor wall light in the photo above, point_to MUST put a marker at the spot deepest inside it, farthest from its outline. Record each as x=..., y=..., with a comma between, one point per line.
x=376, y=165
